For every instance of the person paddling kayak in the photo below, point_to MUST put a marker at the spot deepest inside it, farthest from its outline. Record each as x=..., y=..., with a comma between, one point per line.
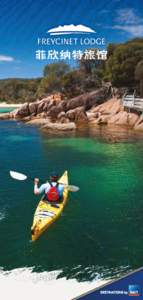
x=53, y=190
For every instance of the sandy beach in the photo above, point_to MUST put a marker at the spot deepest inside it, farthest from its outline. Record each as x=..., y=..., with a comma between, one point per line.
x=4, y=104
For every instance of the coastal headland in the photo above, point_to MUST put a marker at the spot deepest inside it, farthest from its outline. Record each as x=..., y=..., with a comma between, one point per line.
x=101, y=108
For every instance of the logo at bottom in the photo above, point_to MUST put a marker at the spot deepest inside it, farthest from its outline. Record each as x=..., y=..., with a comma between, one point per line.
x=134, y=290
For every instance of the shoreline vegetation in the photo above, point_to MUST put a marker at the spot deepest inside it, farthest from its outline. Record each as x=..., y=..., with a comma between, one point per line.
x=66, y=100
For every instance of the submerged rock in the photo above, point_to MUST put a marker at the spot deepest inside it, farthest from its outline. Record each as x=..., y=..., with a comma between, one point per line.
x=37, y=121
x=59, y=126
x=5, y=116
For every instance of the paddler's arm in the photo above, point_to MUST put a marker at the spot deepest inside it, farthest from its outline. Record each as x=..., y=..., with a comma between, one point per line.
x=41, y=189
x=36, y=189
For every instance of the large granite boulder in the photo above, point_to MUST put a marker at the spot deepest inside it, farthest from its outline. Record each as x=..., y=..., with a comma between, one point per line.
x=61, y=115
x=89, y=99
x=40, y=107
x=33, y=108
x=77, y=115
x=132, y=119
x=71, y=114
x=139, y=124
x=55, y=110
x=112, y=112
x=123, y=118
x=62, y=106
x=44, y=105
x=81, y=117
x=64, y=120
x=23, y=111
x=111, y=107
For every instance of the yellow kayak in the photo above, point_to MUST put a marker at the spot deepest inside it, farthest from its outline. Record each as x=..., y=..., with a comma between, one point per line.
x=46, y=213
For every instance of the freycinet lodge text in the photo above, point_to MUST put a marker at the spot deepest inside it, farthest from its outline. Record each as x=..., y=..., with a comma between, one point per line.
x=71, y=41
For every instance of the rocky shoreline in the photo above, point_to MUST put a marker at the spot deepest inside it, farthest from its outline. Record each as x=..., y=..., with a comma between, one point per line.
x=93, y=110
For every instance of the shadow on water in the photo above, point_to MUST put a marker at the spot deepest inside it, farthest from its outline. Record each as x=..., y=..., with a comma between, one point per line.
x=79, y=156
x=103, y=133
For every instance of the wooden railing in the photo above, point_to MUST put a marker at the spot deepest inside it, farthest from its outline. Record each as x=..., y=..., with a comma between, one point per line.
x=131, y=101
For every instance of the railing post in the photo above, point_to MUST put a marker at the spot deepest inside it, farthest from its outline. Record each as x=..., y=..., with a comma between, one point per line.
x=133, y=100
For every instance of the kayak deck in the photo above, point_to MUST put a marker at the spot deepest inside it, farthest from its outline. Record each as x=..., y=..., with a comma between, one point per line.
x=46, y=213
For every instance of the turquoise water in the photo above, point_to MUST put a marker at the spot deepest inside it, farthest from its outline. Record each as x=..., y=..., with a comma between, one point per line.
x=100, y=232
x=6, y=109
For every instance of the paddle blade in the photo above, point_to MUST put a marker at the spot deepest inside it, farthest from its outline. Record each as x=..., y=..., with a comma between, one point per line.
x=18, y=176
x=73, y=188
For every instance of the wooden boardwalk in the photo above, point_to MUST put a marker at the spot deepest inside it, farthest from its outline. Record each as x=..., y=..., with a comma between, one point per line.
x=130, y=101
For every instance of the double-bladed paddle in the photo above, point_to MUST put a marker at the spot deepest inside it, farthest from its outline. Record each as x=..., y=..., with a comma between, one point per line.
x=21, y=176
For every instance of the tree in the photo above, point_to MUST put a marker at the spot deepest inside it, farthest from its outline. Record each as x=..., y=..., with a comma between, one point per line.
x=111, y=49
x=72, y=83
x=87, y=65
x=139, y=75
x=49, y=84
x=52, y=80
x=58, y=69
x=122, y=61
x=18, y=90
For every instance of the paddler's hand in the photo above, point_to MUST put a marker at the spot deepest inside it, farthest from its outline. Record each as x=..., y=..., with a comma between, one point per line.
x=36, y=190
x=36, y=180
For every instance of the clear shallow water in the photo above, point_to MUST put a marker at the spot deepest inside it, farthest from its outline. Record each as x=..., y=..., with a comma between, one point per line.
x=6, y=109
x=100, y=232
